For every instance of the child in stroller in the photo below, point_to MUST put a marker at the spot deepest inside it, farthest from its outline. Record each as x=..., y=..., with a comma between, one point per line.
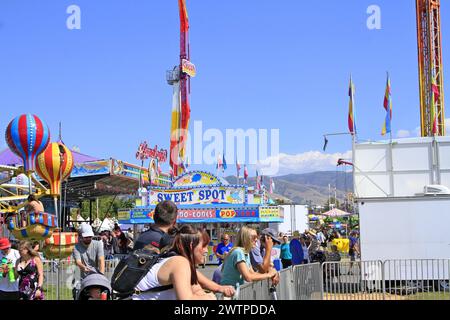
x=95, y=287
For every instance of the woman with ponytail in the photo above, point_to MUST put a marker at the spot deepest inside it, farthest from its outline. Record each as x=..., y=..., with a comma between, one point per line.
x=174, y=277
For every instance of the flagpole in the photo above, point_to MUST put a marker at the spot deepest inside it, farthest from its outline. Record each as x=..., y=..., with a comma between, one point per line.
x=391, y=163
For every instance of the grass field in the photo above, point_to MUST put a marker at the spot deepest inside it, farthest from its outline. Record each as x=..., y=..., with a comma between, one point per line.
x=388, y=296
x=51, y=294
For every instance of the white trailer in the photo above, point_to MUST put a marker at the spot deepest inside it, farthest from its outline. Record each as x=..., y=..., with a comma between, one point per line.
x=402, y=191
x=405, y=228
x=295, y=219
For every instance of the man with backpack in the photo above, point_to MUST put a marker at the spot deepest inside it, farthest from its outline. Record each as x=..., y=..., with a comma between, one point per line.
x=157, y=238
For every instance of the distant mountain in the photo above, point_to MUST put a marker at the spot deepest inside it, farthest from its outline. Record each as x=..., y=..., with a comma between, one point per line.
x=302, y=188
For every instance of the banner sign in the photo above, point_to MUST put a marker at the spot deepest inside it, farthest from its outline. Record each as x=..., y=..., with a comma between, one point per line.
x=188, y=67
x=199, y=195
x=120, y=168
x=196, y=178
x=90, y=168
x=123, y=215
x=269, y=212
x=144, y=152
x=242, y=214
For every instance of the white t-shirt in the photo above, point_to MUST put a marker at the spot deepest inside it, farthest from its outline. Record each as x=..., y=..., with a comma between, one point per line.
x=5, y=285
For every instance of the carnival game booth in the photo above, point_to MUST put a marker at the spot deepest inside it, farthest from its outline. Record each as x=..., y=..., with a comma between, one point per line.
x=204, y=198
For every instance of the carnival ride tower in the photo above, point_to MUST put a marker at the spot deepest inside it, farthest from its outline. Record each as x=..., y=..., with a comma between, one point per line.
x=429, y=38
x=179, y=78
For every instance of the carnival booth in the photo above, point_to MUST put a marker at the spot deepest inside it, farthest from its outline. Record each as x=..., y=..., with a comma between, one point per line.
x=204, y=198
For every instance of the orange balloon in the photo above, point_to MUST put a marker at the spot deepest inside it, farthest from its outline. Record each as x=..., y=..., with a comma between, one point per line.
x=54, y=165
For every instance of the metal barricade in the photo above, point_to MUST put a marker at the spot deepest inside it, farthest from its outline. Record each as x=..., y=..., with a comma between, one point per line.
x=110, y=265
x=352, y=280
x=258, y=290
x=285, y=289
x=426, y=279
x=307, y=280
x=62, y=278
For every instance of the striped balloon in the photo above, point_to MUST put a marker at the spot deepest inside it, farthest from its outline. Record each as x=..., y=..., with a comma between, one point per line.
x=27, y=136
x=55, y=165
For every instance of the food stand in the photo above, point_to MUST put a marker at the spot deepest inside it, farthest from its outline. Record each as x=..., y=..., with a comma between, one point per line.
x=203, y=198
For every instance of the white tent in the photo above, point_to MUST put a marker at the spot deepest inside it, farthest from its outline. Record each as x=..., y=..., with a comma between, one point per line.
x=337, y=213
x=106, y=224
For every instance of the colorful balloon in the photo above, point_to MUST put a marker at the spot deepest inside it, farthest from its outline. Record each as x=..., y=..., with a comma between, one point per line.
x=27, y=136
x=55, y=165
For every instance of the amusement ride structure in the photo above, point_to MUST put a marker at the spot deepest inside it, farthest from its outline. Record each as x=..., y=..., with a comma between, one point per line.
x=429, y=40
x=179, y=78
x=29, y=138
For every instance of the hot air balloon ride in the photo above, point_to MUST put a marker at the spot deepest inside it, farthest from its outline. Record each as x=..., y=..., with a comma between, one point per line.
x=28, y=136
x=54, y=165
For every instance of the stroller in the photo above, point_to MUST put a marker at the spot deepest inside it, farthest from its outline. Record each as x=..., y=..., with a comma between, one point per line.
x=95, y=287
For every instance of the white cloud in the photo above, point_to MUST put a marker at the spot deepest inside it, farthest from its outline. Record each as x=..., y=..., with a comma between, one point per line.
x=403, y=134
x=417, y=132
x=301, y=163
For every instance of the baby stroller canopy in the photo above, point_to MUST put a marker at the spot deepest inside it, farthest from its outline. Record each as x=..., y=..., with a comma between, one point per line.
x=94, y=280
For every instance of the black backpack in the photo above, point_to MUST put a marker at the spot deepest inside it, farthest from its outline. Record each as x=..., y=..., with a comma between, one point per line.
x=132, y=268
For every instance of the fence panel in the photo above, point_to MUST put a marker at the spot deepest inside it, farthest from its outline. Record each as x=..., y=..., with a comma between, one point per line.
x=285, y=289
x=307, y=280
x=352, y=280
x=258, y=290
x=62, y=276
x=412, y=279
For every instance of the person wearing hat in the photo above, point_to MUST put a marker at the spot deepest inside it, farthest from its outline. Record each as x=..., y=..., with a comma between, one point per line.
x=88, y=254
x=260, y=255
x=8, y=290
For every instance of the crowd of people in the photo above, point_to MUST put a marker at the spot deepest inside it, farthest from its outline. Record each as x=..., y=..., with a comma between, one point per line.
x=311, y=246
x=181, y=250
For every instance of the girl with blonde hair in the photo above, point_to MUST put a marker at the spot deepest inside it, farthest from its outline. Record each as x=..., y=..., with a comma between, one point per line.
x=237, y=266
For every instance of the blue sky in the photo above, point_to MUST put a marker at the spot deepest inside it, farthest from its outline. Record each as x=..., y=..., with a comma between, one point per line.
x=260, y=64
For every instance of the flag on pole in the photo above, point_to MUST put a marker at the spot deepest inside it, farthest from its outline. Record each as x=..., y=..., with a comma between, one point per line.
x=245, y=174
x=159, y=168
x=351, y=121
x=272, y=186
x=388, y=107
x=238, y=167
x=184, y=27
x=434, y=100
x=325, y=142
x=219, y=163
x=224, y=163
x=258, y=184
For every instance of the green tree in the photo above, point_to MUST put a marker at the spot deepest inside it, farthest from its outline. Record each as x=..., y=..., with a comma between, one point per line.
x=105, y=204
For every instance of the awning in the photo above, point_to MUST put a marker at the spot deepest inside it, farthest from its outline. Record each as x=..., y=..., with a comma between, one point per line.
x=337, y=213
